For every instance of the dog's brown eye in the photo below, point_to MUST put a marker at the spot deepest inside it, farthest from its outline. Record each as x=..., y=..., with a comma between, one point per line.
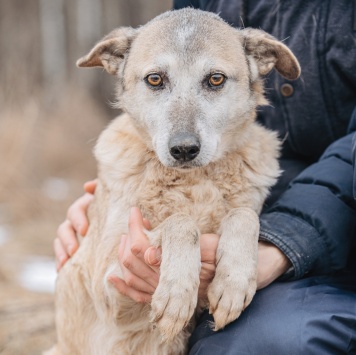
x=217, y=79
x=154, y=80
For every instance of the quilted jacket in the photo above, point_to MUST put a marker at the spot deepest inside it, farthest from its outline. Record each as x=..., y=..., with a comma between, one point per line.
x=311, y=214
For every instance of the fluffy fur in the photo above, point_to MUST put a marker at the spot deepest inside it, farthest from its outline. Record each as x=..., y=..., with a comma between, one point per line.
x=221, y=191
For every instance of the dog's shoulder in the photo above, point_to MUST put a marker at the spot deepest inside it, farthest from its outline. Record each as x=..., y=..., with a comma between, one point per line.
x=120, y=150
x=248, y=173
x=261, y=151
x=256, y=155
x=119, y=137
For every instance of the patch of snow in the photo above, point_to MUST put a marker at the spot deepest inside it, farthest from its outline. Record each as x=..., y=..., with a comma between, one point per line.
x=4, y=235
x=56, y=189
x=38, y=274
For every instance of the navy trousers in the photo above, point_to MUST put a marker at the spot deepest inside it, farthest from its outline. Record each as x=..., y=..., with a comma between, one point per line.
x=315, y=315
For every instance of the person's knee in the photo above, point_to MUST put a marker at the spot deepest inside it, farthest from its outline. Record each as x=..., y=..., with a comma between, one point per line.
x=244, y=336
x=287, y=318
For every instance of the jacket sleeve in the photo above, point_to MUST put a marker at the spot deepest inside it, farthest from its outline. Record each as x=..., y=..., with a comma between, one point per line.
x=314, y=221
x=354, y=163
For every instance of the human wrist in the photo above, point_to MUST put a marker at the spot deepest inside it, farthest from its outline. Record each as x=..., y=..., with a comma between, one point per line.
x=282, y=262
x=272, y=263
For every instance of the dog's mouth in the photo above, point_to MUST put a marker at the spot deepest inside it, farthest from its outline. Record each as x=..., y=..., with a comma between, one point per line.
x=186, y=166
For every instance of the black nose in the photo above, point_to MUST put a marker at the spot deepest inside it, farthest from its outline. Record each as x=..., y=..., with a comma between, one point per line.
x=184, y=146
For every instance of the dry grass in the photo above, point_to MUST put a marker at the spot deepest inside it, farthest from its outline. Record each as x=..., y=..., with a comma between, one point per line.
x=39, y=146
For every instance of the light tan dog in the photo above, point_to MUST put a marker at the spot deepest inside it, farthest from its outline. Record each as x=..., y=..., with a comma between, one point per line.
x=188, y=152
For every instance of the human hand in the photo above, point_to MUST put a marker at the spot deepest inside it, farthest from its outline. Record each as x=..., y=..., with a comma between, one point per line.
x=140, y=277
x=208, y=246
x=66, y=243
x=271, y=264
x=138, y=259
x=136, y=254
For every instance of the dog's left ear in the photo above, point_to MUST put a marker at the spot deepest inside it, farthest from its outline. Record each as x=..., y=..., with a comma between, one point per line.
x=267, y=52
x=110, y=51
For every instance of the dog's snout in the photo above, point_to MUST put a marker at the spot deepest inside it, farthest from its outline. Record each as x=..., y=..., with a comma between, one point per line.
x=184, y=146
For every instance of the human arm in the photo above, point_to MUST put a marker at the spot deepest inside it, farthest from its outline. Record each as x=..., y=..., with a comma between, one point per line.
x=272, y=263
x=314, y=220
x=138, y=259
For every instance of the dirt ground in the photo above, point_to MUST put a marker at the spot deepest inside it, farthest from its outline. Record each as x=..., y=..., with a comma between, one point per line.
x=46, y=156
x=26, y=320
x=50, y=116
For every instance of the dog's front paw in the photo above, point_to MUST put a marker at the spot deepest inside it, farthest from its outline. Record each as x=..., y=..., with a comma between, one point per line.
x=173, y=306
x=230, y=293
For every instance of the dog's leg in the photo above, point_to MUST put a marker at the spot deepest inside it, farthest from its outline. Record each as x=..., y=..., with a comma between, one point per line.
x=175, y=299
x=234, y=284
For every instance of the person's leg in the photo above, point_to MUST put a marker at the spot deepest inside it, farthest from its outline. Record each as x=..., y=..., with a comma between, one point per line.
x=316, y=315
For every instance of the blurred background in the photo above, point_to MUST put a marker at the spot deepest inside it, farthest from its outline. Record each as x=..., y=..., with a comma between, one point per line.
x=50, y=116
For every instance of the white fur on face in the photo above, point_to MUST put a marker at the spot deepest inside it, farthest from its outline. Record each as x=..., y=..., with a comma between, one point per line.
x=186, y=104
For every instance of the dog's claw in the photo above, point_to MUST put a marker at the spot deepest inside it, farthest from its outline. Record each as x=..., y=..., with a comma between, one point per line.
x=173, y=310
x=227, y=301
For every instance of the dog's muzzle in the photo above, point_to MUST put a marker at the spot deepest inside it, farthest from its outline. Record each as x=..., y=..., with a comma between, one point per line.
x=184, y=147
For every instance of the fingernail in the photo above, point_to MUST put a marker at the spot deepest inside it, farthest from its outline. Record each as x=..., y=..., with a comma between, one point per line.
x=154, y=256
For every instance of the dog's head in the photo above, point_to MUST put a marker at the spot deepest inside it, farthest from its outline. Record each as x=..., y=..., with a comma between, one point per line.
x=191, y=82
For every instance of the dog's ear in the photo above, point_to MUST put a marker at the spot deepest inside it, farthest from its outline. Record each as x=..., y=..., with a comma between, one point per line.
x=110, y=51
x=267, y=52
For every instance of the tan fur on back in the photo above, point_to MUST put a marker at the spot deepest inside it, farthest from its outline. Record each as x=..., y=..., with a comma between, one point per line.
x=221, y=191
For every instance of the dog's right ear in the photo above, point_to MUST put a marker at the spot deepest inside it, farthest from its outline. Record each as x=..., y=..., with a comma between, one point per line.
x=110, y=51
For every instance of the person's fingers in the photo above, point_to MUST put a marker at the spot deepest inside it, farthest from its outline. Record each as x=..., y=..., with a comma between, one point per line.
x=137, y=283
x=208, y=247
x=138, y=240
x=136, y=266
x=90, y=186
x=77, y=213
x=124, y=289
x=61, y=255
x=122, y=246
x=153, y=256
x=67, y=237
x=131, y=279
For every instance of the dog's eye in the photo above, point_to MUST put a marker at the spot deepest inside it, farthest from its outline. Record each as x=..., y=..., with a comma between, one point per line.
x=154, y=80
x=217, y=79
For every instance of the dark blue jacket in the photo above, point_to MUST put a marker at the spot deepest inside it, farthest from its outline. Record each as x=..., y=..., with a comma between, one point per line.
x=354, y=162
x=311, y=216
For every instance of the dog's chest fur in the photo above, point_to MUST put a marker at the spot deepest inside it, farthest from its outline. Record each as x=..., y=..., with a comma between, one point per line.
x=135, y=177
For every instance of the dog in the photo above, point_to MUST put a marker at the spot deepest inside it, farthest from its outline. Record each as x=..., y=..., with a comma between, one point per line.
x=188, y=152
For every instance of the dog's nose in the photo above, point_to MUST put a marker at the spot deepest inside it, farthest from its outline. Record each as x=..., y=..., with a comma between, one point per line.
x=184, y=146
